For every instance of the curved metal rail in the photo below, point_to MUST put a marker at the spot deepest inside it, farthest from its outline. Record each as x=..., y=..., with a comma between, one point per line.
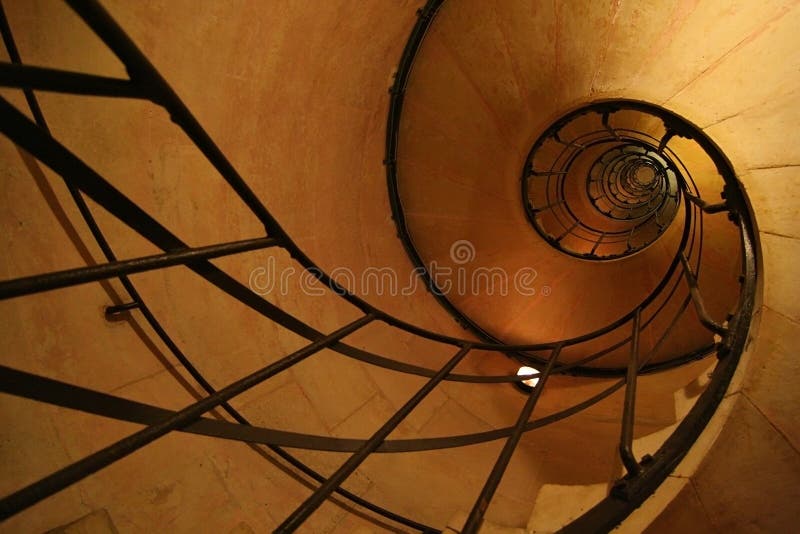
x=637, y=214
x=146, y=83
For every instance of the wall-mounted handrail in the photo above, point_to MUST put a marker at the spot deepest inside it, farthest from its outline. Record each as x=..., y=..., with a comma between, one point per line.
x=705, y=206
x=697, y=299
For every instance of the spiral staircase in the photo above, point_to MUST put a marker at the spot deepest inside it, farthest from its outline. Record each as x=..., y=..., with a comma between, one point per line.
x=576, y=216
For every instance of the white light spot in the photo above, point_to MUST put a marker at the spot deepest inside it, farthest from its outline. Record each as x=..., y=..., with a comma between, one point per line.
x=531, y=382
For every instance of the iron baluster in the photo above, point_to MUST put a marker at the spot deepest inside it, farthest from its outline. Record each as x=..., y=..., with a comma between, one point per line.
x=482, y=503
x=79, y=470
x=323, y=492
x=699, y=305
x=628, y=413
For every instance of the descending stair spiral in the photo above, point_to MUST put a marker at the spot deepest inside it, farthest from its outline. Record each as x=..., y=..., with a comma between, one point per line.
x=631, y=218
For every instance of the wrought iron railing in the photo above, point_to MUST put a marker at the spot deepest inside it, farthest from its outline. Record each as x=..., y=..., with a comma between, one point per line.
x=633, y=183
x=84, y=182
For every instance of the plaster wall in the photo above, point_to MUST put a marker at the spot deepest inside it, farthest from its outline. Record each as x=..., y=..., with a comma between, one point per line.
x=296, y=96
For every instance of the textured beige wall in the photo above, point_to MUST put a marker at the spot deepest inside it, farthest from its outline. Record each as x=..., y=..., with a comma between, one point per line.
x=747, y=100
x=296, y=96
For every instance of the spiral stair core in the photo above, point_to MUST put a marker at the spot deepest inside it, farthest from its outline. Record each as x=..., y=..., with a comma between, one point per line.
x=297, y=97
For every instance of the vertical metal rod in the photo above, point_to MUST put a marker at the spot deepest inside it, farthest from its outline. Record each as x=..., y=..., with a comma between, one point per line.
x=569, y=230
x=482, y=504
x=630, y=237
x=6, y=34
x=629, y=410
x=144, y=74
x=37, y=142
x=697, y=300
x=79, y=470
x=608, y=127
x=597, y=243
x=137, y=302
x=323, y=492
x=549, y=206
x=13, y=54
x=669, y=134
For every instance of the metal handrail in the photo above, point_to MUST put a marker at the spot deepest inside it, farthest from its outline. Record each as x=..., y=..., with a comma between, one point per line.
x=146, y=83
x=159, y=330
x=35, y=492
x=567, y=219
